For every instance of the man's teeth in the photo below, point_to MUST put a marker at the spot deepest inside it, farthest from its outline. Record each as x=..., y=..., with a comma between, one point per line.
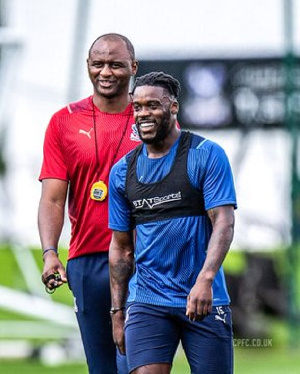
x=146, y=125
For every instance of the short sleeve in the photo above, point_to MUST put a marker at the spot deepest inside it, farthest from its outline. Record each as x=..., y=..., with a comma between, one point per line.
x=218, y=182
x=119, y=210
x=54, y=165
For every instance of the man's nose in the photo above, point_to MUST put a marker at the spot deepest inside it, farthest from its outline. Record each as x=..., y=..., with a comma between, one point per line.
x=106, y=70
x=144, y=111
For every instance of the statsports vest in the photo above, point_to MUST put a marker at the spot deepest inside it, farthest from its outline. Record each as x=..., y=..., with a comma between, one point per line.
x=172, y=197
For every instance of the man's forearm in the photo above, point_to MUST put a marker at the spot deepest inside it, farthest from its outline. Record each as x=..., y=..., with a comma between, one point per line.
x=50, y=223
x=121, y=266
x=219, y=243
x=51, y=211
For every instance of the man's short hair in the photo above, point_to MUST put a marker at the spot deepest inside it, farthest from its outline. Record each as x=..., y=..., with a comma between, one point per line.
x=113, y=37
x=159, y=79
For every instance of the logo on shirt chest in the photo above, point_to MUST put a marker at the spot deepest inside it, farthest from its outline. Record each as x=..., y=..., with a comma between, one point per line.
x=134, y=136
x=151, y=202
x=87, y=133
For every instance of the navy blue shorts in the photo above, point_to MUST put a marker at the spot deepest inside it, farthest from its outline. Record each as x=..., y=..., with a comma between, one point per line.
x=88, y=278
x=153, y=334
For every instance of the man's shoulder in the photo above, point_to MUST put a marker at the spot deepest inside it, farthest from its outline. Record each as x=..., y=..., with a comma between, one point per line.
x=196, y=140
x=74, y=107
x=201, y=143
x=122, y=165
x=79, y=106
x=128, y=157
x=119, y=170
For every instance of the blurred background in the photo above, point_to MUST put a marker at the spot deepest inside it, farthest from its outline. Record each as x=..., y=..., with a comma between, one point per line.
x=239, y=68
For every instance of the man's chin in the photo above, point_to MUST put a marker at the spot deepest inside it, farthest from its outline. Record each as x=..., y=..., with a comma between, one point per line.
x=107, y=93
x=148, y=140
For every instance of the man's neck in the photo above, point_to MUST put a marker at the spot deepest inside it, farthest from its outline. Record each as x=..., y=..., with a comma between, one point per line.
x=162, y=148
x=111, y=105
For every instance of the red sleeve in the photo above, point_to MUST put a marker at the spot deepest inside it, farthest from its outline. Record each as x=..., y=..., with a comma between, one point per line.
x=53, y=165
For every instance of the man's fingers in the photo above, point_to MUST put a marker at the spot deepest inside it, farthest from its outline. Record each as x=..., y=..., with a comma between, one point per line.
x=52, y=281
x=198, y=310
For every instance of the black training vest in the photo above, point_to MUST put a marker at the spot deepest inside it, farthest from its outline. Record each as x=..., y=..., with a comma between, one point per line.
x=172, y=197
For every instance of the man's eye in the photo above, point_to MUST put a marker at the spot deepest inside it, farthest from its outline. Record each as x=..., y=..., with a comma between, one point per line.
x=153, y=106
x=115, y=65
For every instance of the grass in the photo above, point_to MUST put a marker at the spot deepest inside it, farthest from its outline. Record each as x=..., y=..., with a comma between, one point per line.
x=266, y=361
x=35, y=367
x=247, y=361
x=276, y=359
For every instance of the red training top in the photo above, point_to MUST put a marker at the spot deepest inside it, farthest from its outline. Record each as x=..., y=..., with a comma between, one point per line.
x=70, y=154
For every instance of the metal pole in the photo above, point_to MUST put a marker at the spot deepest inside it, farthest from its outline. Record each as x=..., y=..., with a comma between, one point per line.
x=293, y=127
x=80, y=32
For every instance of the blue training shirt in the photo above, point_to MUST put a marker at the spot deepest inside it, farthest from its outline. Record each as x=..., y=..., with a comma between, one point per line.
x=170, y=253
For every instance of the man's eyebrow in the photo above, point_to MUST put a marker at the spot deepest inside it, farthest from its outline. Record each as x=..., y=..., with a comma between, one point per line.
x=170, y=98
x=158, y=101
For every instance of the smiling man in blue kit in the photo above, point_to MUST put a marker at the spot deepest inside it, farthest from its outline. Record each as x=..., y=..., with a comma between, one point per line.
x=171, y=209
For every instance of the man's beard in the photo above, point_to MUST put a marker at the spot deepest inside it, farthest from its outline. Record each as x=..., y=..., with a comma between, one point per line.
x=161, y=133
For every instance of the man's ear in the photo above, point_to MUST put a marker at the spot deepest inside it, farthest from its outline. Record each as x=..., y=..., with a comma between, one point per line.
x=135, y=66
x=174, y=107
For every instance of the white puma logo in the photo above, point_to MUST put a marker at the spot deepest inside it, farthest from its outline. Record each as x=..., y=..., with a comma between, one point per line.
x=87, y=133
x=221, y=319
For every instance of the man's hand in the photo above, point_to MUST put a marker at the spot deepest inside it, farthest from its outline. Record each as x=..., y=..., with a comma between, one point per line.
x=199, y=300
x=54, y=274
x=118, y=320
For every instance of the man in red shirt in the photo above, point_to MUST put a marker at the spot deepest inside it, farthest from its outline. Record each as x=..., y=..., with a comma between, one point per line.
x=82, y=142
